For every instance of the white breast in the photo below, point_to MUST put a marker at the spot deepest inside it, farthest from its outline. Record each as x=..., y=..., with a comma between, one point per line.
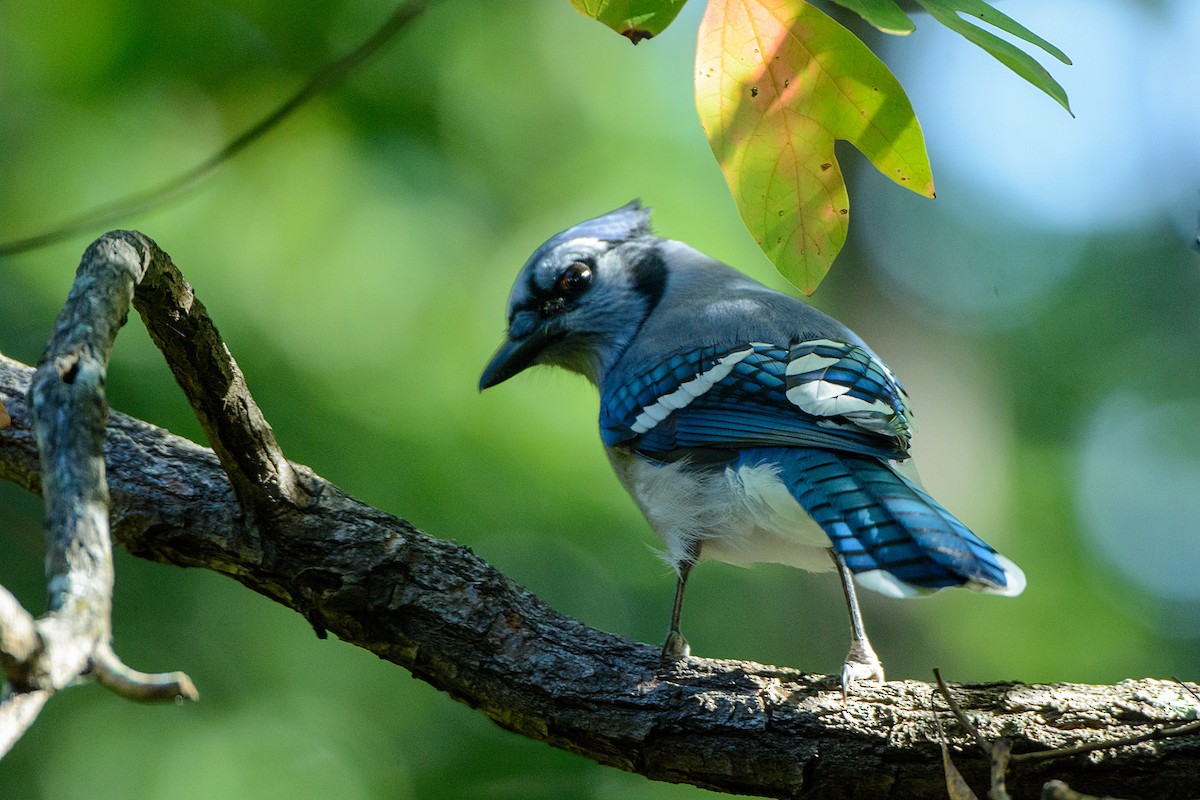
x=740, y=516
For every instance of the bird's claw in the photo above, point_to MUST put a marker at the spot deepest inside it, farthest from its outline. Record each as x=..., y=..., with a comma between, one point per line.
x=861, y=665
x=675, y=647
x=858, y=671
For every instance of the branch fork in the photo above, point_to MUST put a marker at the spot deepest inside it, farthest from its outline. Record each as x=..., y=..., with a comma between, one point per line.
x=69, y=416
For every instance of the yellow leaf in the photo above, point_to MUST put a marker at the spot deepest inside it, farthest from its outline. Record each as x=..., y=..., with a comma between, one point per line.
x=777, y=82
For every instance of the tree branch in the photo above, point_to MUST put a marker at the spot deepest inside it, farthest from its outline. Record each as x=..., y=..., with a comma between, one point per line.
x=18, y=711
x=66, y=400
x=19, y=640
x=203, y=367
x=454, y=621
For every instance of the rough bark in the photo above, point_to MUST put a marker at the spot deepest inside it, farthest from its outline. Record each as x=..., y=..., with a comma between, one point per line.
x=441, y=612
x=67, y=403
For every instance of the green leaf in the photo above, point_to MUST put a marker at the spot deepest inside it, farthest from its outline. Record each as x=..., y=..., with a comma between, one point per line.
x=636, y=20
x=777, y=81
x=997, y=19
x=882, y=14
x=1020, y=62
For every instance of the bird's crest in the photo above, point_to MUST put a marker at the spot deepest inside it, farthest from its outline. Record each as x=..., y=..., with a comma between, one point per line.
x=630, y=221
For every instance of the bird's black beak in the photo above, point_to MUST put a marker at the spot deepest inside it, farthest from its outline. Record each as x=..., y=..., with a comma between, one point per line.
x=512, y=357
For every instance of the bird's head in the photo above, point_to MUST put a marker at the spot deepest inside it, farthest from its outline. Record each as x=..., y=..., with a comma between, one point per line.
x=581, y=296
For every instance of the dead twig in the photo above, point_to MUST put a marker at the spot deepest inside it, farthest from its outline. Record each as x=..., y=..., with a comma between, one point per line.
x=982, y=743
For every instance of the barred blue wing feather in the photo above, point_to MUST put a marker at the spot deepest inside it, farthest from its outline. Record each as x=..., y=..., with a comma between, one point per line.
x=820, y=393
x=835, y=379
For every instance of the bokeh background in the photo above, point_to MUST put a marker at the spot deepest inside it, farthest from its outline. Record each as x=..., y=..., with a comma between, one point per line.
x=1044, y=314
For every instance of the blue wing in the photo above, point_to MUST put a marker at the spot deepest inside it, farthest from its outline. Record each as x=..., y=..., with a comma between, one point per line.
x=815, y=393
x=827, y=417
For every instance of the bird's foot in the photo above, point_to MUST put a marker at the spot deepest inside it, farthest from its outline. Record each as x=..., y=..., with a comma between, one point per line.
x=675, y=647
x=861, y=665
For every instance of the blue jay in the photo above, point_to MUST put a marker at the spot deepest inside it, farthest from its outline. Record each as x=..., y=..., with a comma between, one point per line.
x=747, y=425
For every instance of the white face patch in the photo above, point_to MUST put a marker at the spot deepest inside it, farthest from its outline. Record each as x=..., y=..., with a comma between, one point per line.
x=688, y=391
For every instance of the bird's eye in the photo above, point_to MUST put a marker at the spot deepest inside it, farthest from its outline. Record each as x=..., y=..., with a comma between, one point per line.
x=576, y=278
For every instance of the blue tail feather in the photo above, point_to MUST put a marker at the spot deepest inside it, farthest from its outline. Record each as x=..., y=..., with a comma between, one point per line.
x=878, y=520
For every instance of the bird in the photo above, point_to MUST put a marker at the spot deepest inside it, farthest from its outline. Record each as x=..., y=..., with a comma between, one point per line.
x=747, y=425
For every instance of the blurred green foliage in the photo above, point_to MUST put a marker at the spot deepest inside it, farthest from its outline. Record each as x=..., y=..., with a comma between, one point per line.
x=358, y=262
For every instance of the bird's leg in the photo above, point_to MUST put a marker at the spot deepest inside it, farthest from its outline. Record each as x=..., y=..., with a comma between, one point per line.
x=861, y=663
x=676, y=647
